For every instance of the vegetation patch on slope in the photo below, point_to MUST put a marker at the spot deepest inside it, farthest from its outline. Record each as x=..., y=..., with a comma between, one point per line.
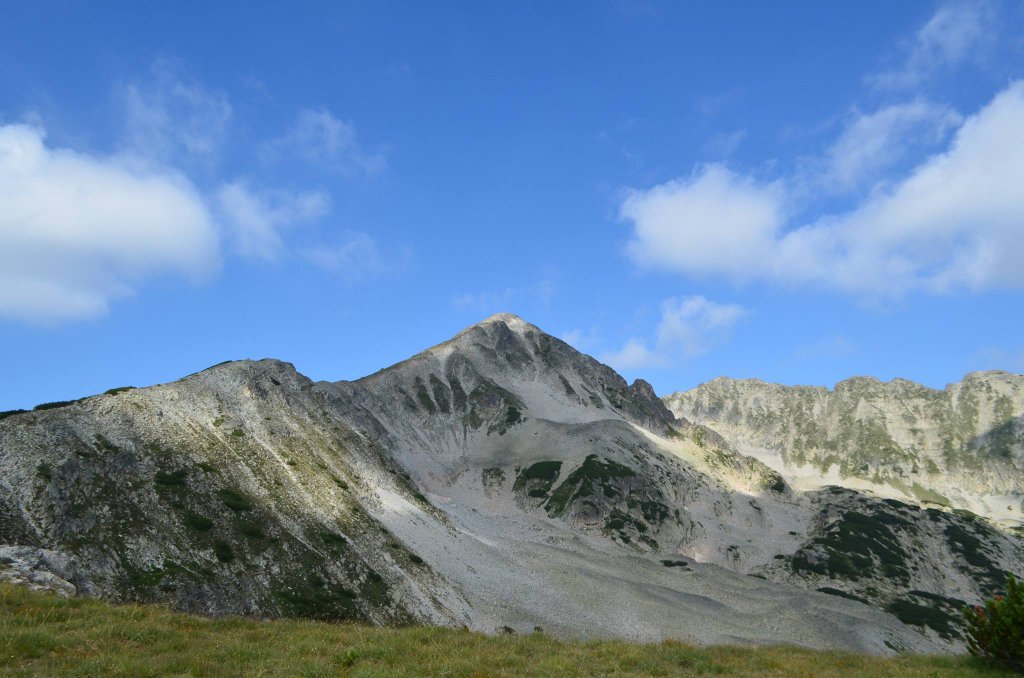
x=859, y=545
x=592, y=476
x=536, y=480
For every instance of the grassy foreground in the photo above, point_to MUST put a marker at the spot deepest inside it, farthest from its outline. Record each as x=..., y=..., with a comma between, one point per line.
x=45, y=635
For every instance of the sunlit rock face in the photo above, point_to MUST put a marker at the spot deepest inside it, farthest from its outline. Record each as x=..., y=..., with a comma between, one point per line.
x=961, y=447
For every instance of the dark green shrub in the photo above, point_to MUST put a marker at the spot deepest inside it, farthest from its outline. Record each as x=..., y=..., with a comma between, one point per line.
x=223, y=551
x=333, y=538
x=55, y=404
x=995, y=632
x=198, y=522
x=172, y=479
x=235, y=500
x=11, y=413
x=416, y=560
x=251, y=531
x=542, y=470
x=119, y=389
x=44, y=471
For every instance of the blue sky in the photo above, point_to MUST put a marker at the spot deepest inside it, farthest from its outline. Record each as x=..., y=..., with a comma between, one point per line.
x=798, y=192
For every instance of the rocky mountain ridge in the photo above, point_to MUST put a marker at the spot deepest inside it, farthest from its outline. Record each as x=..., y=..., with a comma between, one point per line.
x=500, y=480
x=961, y=447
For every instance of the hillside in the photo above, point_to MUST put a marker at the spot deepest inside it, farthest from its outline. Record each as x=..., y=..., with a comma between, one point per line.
x=498, y=480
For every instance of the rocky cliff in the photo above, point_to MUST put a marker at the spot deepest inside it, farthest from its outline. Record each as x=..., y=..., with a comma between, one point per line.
x=961, y=447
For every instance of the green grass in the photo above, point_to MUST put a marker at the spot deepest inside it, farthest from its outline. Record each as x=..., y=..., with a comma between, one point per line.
x=44, y=635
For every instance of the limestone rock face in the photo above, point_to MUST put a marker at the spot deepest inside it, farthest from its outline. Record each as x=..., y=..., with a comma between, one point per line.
x=498, y=479
x=962, y=447
x=235, y=490
x=37, y=569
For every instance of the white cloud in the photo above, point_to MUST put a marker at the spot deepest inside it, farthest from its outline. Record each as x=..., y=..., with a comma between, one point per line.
x=688, y=327
x=954, y=222
x=257, y=219
x=320, y=139
x=872, y=142
x=947, y=39
x=696, y=223
x=172, y=115
x=77, y=231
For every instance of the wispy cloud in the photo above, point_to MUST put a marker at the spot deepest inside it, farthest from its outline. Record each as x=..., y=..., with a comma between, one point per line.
x=172, y=115
x=871, y=143
x=258, y=220
x=585, y=340
x=489, y=301
x=319, y=138
x=79, y=230
x=692, y=325
x=634, y=355
x=947, y=39
x=356, y=257
x=723, y=145
x=688, y=327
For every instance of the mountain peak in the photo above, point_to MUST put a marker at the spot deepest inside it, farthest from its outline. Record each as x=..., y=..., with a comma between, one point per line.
x=502, y=317
x=511, y=320
x=537, y=374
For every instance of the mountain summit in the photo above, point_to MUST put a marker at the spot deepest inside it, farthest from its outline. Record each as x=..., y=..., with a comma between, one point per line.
x=500, y=479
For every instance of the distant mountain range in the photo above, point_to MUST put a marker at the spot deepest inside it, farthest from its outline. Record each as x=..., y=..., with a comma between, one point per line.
x=956, y=448
x=504, y=481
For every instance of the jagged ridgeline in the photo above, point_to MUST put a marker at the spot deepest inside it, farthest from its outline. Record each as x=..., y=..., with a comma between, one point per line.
x=500, y=480
x=961, y=447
